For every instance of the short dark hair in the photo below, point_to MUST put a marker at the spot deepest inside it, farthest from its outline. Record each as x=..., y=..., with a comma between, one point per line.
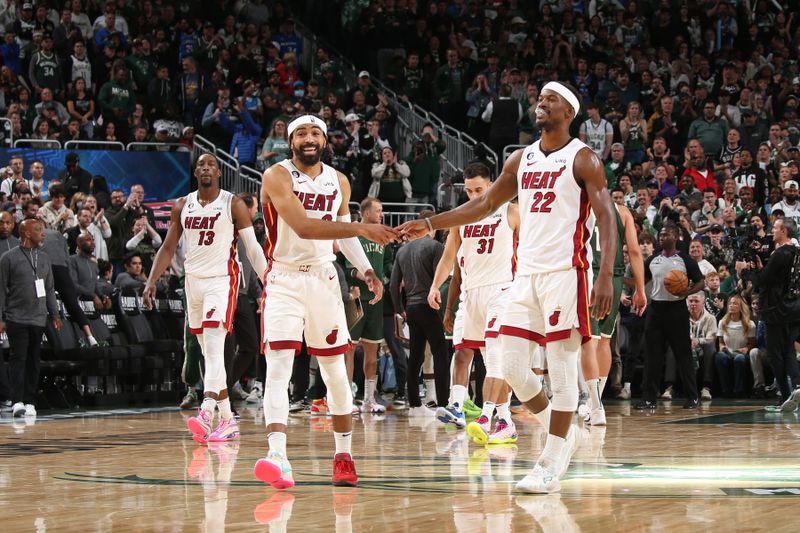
x=477, y=169
x=103, y=266
x=709, y=189
x=129, y=257
x=57, y=189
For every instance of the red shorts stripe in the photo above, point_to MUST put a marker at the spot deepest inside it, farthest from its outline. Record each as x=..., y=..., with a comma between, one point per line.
x=210, y=324
x=512, y=331
x=491, y=334
x=327, y=351
x=584, y=323
x=472, y=345
x=264, y=299
x=286, y=345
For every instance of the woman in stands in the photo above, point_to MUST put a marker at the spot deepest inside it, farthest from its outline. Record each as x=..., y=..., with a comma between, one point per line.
x=80, y=104
x=276, y=145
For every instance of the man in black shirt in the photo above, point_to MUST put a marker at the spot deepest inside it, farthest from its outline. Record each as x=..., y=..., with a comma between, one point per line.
x=667, y=322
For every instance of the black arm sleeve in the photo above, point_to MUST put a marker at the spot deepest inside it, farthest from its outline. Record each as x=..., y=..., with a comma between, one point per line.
x=692, y=268
x=647, y=274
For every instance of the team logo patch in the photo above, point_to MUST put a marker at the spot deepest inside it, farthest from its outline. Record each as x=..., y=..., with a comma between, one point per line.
x=211, y=312
x=553, y=320
x=295, y=174
x=491, y=323
x=331, y=338
x=530, y=156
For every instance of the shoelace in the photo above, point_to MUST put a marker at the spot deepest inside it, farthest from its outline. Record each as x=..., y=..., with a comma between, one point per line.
x=345, y=466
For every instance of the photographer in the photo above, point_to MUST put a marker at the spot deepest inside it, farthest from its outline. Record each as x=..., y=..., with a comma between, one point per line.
x=778, y=285
x=120, y=217
x=425, y=166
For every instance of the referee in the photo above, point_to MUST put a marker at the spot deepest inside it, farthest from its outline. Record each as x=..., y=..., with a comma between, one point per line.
x=667, y=321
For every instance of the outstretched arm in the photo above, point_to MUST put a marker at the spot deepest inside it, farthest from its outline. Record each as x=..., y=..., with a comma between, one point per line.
x=444, y=267
x=276, y=188
x=503, y=190
x=241, y=219
x=590, y=174
x=165, y=253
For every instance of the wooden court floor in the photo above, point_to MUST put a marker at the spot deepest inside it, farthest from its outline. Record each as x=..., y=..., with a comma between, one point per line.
x=723, y=468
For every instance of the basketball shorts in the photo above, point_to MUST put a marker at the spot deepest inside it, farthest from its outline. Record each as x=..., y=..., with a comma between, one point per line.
x=605, y=327
x=546, y=307
x=302, y=300
x=370, y=327
x=478, y=315
x=211, y=302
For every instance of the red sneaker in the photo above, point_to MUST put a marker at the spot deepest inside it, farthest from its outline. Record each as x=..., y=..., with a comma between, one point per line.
x=344, y=471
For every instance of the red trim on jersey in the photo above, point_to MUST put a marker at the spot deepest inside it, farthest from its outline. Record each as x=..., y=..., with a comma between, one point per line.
x=491, y=334
x=286, y=345
x=514, y=258
x=263, y=301
x=233, y=288
x=210, y=324
x=584, y=322
x=271, y=221
x=327, y=351
x=581, y=235
x=522, y=333
x=458, y=347
x=473, y=345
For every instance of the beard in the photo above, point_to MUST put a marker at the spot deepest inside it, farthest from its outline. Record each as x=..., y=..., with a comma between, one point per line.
x=308, y=159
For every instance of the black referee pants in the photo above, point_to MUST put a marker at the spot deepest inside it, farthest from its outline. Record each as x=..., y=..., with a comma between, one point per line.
x=424, y=325
x=667, y=324
x=782, y=357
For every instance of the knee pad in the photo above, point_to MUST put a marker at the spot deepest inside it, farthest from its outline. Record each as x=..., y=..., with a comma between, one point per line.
x=213, y=343
x=562, y=362
x=492, y=358
x=516, y=367
x=276, y=386
x=340, y=395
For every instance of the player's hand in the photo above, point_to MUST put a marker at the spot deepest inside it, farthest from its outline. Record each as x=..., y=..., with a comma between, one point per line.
x=149, y=295
x=379, y=233
x=639, y=302
x=449, y=321
x=411, y=230
x=602, y=294
x=374, y=284
x=434, y=298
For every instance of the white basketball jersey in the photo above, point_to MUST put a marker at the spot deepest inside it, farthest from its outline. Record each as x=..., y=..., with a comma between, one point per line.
x=321, y=197
x=555, y=224
x=487, y=254
x=209, y=237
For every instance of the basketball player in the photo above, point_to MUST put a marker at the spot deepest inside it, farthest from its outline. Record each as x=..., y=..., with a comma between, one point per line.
x=559, y=180
x=485, y=253
x=306, y=207
x=596, y=353
x=211, y=220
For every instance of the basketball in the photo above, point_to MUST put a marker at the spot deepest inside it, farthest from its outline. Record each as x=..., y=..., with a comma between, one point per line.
x=676, y=282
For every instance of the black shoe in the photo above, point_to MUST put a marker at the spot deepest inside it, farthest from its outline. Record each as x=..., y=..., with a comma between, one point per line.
x=642, y=405
x=691, y=403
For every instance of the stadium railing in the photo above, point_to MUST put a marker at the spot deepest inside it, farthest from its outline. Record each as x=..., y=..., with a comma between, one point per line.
x=51, y=144
x=155, y=147
x=94, y=145
x=509, y=149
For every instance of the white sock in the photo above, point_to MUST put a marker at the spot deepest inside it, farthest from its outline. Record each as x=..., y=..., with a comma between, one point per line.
x=257, y=385
x=209, y=405
x=543, y=417
x=277, y=442
x=369, y=390
x=627, y=386
x=459, y=395
x=553, y=448
x=603, y=380
x=343, y=441
x=504, y=410
x=224, y=406
x=488, y=409
x=91, y=340
x=594, y=393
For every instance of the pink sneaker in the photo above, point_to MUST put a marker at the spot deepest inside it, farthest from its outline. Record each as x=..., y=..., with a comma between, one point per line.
x=504, y=433
x=200, y=425
x=274, y=470
x=479, y=429
x=227, y=430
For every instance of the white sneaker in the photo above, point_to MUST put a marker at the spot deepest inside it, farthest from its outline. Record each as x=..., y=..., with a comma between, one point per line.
x=5, y=406
x=18, y=409
x=790, y=405
x=372, y=407
x=421, y=411
x=624, y=394
x=255, y=394
x=705, y=394
x=667, y=395
x=598, y=417
x=541, y=480
x=237, y=392
x=30, y=410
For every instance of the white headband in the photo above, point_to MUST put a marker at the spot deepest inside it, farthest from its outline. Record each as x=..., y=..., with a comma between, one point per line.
x=561, y=89
x=307, y=120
